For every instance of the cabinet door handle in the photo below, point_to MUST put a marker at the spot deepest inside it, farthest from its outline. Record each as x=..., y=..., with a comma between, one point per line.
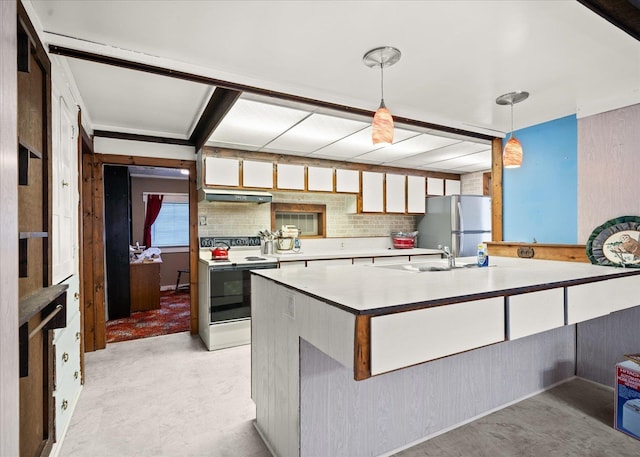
x=75, y=375
x=65, y=405
x=65, y=356
x=77, y=336
x=76, y=296
x=64, y=183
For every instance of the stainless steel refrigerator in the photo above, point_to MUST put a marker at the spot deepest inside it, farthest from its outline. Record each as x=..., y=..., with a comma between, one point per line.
x=458, y=221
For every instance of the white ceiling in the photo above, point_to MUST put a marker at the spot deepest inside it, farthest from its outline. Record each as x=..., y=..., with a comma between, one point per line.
x=457, y=57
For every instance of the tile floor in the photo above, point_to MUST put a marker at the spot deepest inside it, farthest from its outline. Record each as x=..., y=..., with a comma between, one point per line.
x=167, y=396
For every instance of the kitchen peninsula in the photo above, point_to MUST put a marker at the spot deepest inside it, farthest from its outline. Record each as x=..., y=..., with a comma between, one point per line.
x=367, y=360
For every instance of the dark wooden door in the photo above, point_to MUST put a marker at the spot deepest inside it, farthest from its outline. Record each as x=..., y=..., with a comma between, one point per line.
x=116, y=232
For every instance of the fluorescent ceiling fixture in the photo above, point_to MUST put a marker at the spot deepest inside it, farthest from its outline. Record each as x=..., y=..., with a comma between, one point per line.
x=420, y=143
x=254, y=123
x=316, y=131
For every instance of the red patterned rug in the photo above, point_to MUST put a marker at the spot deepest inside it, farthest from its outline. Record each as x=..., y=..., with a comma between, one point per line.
x=172, y=317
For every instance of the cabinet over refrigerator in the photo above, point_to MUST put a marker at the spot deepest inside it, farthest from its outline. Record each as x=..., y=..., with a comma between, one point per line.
x=458, y=221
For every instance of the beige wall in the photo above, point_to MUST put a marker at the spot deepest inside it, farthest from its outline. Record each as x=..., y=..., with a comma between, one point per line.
x=245, y=219
x=608, y=168
x=472, y=183
x=171, y=262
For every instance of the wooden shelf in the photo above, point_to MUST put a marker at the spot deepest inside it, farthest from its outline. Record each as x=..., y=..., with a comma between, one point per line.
x=565, y=252
x=51, y=304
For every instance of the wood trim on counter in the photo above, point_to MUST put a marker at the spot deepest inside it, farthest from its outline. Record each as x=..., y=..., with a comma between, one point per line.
x=540, y=251
x=362, y=349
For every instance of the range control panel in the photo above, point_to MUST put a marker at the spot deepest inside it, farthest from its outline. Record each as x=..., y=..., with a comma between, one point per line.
x=232, y=241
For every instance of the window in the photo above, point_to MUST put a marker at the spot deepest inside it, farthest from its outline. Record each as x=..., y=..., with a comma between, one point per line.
x=171, y=227
x=309, y=218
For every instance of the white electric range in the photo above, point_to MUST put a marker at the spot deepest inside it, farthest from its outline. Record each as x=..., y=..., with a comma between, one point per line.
x=225, y=290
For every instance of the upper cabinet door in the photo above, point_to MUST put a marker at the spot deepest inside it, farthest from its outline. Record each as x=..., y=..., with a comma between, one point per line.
x=347, y=181
x=372, y=192
x=290, y=176
x=257, y=174
x=416, y=194
x=222, y=172
x=435, y=186
x=452, y=187
x=320, y=179
x=396, y=193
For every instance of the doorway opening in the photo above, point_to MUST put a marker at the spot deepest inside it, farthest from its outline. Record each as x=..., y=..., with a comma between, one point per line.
x=98, y=245
x=146, y=249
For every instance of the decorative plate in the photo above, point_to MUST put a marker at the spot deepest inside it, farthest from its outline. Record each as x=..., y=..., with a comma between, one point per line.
x=616, y=243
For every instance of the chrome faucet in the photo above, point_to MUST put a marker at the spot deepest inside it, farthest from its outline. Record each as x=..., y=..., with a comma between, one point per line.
x=451, y=260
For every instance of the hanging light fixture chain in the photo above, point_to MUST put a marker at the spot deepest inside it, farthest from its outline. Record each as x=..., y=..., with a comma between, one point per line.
x=382, y=81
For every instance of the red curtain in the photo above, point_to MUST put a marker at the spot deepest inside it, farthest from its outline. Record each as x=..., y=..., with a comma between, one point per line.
x=154, y=203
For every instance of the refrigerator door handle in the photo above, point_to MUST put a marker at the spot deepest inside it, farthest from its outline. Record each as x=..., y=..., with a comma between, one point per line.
x=459, y=210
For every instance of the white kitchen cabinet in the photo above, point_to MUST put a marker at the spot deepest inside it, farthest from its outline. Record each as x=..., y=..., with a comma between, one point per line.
x=363, y=260
x=257, y=174
x=452, y=187
x=68, y=375
x=328, y=262
x=395, y=193
x=416, y=194
x=290, y=176
x=435, y=186
x=588, y=301
x=403, y=339
x=222, y=172
x=64, y=187
x=372, y=192
x=390, y=259
x=320, y=179
x=535, y=312
x=292, y=264
x=347, y=181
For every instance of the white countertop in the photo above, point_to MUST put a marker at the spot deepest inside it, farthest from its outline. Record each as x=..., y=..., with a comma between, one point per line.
x=366, y=288
x=351, y=253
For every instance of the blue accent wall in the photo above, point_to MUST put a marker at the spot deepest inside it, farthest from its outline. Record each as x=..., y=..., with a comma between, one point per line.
x=540, y=198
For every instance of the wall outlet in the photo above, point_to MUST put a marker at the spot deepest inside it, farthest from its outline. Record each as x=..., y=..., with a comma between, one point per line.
x=290, y=308
x=202, y=220
x=341, y=244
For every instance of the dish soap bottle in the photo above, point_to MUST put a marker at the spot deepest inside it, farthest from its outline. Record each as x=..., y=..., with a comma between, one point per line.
x=483, y=257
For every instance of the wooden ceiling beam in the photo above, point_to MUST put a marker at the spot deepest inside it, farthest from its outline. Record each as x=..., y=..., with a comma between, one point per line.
x=145, y=138
x=624, y=14
x=218, y=83
x=219, y=105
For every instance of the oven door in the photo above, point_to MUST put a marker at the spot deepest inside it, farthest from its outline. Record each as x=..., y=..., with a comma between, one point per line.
x=230, y=292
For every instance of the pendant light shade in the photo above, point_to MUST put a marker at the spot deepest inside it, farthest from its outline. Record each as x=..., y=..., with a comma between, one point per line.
x=382, y=125
x=512, y=152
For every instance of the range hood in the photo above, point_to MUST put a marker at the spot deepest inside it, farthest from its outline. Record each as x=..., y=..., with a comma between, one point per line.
x=232, y=195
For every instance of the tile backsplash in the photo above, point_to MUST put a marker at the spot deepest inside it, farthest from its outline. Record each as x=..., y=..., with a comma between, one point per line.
x=245, y=219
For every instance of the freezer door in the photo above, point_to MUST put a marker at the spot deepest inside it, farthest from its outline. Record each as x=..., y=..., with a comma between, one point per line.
x=474, y=213
x=467, y=243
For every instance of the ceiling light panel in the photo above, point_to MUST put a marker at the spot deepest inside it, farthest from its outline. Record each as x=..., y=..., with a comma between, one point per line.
x=480, y=160
x=314, y=132
x=411, y=146
x=253, y=124
x=357, y=144
x=445, y=153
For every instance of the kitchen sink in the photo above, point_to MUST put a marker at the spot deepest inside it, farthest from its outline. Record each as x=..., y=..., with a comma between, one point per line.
x=419, y=267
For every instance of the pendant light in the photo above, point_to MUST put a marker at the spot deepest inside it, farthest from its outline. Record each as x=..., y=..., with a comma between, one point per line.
x=382, y=125
x=512, y=152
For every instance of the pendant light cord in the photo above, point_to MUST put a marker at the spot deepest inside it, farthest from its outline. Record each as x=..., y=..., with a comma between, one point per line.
x=511, y=136
x=382, y=80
